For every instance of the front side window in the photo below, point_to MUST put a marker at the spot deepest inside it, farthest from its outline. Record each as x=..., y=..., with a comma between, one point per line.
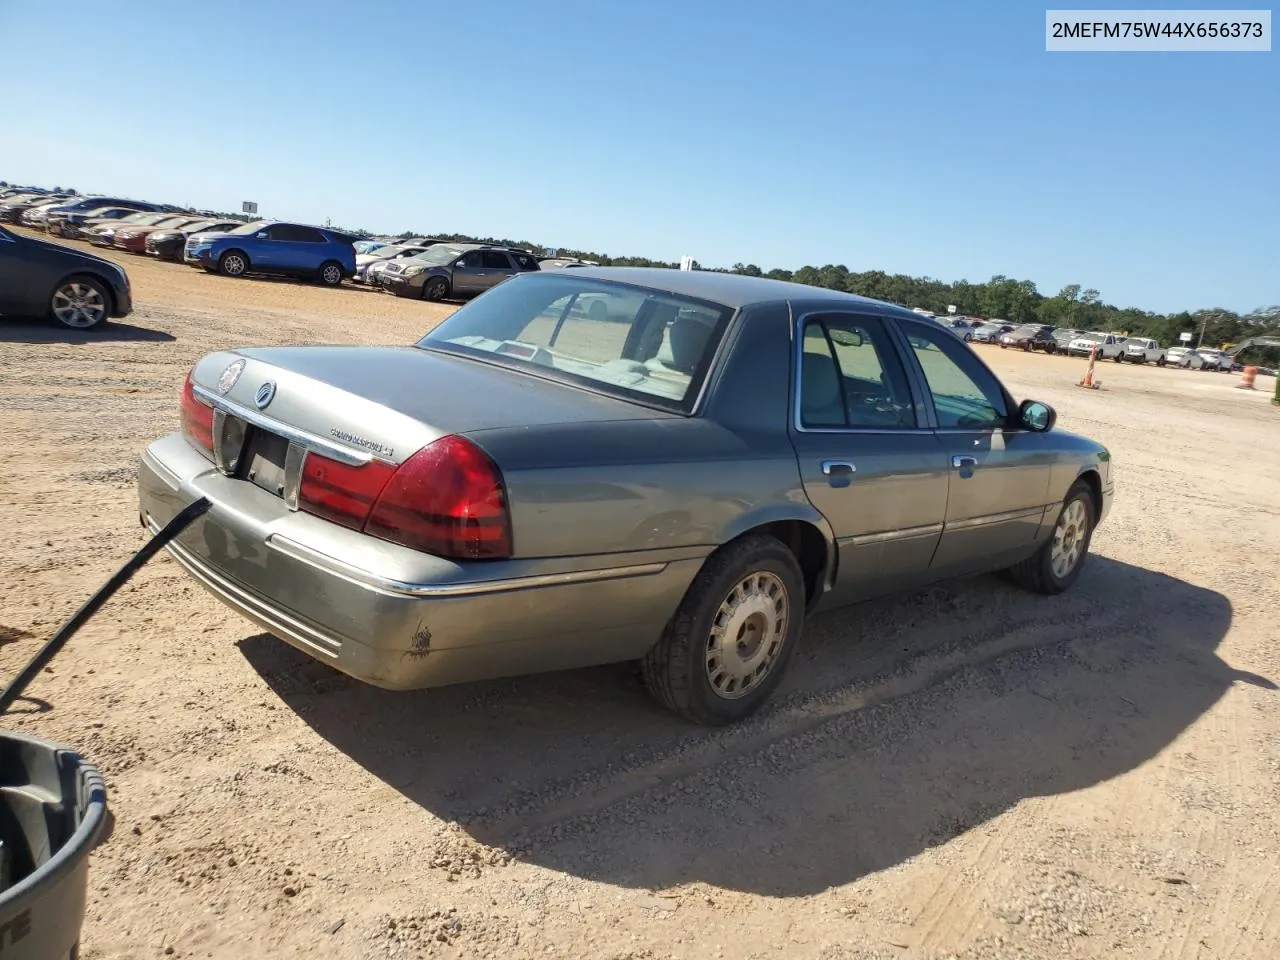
x=614, y=338
x=851, y=377
x=965, y=395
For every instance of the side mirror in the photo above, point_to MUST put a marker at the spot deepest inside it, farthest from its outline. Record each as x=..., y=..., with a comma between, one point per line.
x=1036, y=416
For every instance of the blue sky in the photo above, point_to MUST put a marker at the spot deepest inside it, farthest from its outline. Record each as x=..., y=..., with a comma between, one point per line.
x=929, y=138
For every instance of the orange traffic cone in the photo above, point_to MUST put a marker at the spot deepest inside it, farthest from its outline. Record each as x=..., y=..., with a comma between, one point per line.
x=1246, y=380
x=1088, y=374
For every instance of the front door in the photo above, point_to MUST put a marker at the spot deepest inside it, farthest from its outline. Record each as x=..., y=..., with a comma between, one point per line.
x=867, y=461
x=468, y=273
x=999, y=474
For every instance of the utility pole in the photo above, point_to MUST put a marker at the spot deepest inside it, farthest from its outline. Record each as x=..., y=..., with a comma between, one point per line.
x=1204, y=320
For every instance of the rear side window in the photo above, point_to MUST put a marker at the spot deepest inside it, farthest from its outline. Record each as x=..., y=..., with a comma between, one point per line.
x=525, y=262
x=493, y=260
x=295, y=234
x=852, y=377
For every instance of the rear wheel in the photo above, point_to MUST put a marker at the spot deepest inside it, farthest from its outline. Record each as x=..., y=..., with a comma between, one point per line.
x=436, y=288
x=233, y=263
x=1056, y=565
x=727, y=646
x=331, y=273
x=1159, y=361
x=80, y=303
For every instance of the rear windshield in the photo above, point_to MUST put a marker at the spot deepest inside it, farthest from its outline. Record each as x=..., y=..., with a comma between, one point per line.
x=614, y=338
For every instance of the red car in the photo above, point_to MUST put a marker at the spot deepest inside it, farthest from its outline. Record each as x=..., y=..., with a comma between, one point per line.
x=134, y=238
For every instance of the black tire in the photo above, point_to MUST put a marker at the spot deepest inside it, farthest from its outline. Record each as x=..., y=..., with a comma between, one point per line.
x=330, y=273
x=233, y=263
x=80, y=303
x=1119, y=358
x=676, y=667
x=435, y=289
x=1160, y=361
x=1036, y=573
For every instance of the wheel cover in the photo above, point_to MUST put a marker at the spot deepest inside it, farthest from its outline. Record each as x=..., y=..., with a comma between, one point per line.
x=747, y=635
x=233, y=264
x=78, y=305
x=435, y=288
x=1069, y=538
x=332, y=274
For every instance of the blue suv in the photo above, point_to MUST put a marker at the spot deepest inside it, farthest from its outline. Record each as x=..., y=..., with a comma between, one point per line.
x=291, y=249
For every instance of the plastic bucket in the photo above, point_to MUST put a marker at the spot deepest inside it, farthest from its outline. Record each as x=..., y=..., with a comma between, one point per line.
x=53, y=807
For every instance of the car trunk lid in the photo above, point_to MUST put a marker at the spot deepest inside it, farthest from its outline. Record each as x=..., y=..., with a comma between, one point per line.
x=388, y=402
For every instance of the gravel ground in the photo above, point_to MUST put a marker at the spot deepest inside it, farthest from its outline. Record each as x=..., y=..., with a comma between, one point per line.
x=965, y=772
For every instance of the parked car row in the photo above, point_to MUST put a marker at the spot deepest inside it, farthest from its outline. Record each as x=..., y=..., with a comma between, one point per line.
x=1067, y=341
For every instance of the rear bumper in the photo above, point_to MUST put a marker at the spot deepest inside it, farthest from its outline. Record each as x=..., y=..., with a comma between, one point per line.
x=393, y=617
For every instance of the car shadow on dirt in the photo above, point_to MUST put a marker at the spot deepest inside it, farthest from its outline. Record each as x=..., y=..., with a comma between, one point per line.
x=28, y=330
x=901, y=724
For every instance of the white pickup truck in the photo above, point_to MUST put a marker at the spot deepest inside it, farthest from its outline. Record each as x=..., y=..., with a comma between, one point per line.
x=1137, y=350
x=1110, y=346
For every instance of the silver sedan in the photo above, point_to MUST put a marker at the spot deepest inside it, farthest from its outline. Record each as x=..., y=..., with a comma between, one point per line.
x=604, y=464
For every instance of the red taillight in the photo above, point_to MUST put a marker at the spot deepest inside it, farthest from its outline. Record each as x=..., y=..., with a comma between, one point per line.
x=197, y=418
x=339, y=492
x=447, y=499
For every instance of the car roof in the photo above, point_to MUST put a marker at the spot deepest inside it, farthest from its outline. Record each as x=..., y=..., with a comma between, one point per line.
x=732, y=289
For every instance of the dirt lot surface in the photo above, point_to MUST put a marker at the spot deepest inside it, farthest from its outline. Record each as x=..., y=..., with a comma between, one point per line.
x=965, y=772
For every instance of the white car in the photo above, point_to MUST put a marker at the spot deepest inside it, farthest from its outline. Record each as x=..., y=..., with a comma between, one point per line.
x=1214, y=360
x=1137, y=350
x=1193, y=358
x=383, y=255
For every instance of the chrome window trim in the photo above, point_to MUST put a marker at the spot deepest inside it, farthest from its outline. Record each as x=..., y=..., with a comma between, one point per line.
x=303, y=438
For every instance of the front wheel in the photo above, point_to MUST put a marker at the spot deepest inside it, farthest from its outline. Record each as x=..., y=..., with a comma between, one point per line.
x=1056, y=565
x=331, y=273
x=233, y=263
x=437, y=288
x=729, y=642
x=80, y=303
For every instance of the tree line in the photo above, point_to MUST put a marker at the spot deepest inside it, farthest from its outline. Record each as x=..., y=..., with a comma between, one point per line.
x=1001, y=297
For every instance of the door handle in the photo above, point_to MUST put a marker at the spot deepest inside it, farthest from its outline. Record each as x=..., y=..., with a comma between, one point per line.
x=839, y=473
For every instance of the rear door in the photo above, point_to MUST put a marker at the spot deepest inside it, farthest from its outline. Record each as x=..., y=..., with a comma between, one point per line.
x=303, y=250
x=495, y=266
x=868, y=459
x=999, y=474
